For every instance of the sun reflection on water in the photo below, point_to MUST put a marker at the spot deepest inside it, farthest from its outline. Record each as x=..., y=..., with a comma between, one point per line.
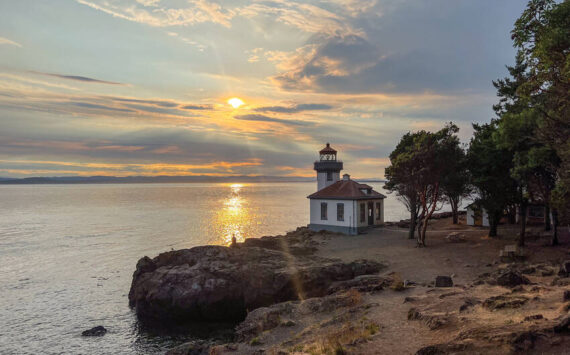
x=235, y=218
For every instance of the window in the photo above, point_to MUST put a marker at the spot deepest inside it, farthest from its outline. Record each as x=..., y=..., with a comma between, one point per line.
x=378, y=211
x=340, y=211
x=362, y=212
x=536, y=211
x=323, y=211
x=329, y=176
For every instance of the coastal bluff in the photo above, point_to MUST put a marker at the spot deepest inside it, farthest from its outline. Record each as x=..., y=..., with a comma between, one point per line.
x=219, y=283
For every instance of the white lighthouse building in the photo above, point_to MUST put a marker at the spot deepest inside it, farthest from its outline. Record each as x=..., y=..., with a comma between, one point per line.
x=344, y=206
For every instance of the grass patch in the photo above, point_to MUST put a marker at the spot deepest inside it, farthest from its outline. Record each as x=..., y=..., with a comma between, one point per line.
x=255, y=341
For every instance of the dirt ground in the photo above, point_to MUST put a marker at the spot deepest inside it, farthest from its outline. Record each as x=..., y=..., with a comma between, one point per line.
x=408, y=315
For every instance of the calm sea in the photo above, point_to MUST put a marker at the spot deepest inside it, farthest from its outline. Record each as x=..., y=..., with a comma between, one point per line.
x=67, y=252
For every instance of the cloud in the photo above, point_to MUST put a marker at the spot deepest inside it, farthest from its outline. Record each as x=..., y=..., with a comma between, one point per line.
x=197, y=107
x=99, y=107
x=406, y=47
x=78, y=78
x=200, y=11
x=9, y=42
x=263, y=118
x=305, y=17
x=354, y=65
x=162, y=103
x=294, y=108
x=31, y=167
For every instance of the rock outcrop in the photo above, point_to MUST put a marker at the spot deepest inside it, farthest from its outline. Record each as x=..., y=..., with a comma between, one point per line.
x=97, y=331
x=223, y=283
x=511, y=278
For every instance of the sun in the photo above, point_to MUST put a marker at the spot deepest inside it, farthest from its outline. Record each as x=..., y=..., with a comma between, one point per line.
x=235, y=102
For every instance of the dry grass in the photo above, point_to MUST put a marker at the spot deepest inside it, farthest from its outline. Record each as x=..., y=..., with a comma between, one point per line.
x=354, y=297
x=336, y=341
x=397, y=283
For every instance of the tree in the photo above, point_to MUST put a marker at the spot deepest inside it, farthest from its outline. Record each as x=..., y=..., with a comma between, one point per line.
x=398, y=176
x=534, y=163
x=455, y=184
x=418, y=165
x=542, y=37
x=489, y=169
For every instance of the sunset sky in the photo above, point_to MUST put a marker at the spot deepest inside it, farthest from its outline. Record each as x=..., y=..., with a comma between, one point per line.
x=141, y=87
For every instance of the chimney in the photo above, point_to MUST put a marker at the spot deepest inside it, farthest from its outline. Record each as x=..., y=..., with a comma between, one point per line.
x=346, y=177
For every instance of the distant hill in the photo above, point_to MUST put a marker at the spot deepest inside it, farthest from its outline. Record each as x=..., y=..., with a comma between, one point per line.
x=148, y=179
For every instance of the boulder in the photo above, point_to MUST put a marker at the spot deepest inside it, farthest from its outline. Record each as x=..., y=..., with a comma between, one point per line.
x=443, y=281
x=512, y=278
x=564, y=269
x=95, y=331
x=222, y=283
x=455, y=237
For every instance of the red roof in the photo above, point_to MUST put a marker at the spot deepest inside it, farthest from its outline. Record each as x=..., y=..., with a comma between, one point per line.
x=327, y=150
x=347, y=190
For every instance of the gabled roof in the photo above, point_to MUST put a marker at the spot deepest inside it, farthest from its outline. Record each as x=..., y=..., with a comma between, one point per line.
x=327, y=150
x=347, y=190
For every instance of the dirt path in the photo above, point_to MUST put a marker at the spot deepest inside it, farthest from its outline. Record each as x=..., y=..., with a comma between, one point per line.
x=379, y=315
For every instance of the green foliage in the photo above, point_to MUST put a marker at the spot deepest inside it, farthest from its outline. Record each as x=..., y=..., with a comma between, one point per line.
x=418, y=167
x=489, y=166
x=255, y=341
x=542, y=36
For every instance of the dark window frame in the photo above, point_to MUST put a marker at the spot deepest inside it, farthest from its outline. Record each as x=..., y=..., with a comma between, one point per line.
x=362, y=212
x=329, y=176
x=324, y=211
x=340, y=211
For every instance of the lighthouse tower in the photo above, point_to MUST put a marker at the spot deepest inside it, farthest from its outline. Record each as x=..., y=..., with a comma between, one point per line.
x=328, y=168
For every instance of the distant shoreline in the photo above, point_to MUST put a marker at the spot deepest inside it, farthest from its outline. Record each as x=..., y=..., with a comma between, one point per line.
x=156, y=180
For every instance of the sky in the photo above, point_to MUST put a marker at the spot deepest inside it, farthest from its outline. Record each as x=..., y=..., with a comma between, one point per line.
x=141, y=87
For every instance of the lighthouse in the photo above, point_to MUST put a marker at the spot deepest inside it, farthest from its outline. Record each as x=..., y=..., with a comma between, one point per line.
x=342, y=205
x=328, y=167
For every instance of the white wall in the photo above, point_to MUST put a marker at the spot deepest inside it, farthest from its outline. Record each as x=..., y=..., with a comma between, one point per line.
x=322, y=180
x=351, y=212
x=471, y=217
x=331, y=212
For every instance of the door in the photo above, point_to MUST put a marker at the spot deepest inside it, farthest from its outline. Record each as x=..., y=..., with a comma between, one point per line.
x=370, y=213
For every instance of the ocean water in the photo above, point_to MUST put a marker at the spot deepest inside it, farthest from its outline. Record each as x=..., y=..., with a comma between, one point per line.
x=67, y=253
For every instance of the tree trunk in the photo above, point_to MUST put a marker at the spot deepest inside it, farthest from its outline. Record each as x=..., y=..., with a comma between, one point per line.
x=546, y=218
x=493, y=223
x=413, y=217
x=555, y=222
x=424, y=229
x=522, y=215
x=454, y=210
x=419, y=228
x=512, y=215
x=428, y=214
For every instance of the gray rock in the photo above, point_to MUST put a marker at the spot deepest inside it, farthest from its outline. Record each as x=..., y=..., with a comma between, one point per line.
x=95, y=331
x=222, y=283
x=443, y=281
x=511, y=278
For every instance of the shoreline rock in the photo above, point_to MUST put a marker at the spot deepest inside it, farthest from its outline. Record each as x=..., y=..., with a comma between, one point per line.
x=223, y=283
x=97, y=331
